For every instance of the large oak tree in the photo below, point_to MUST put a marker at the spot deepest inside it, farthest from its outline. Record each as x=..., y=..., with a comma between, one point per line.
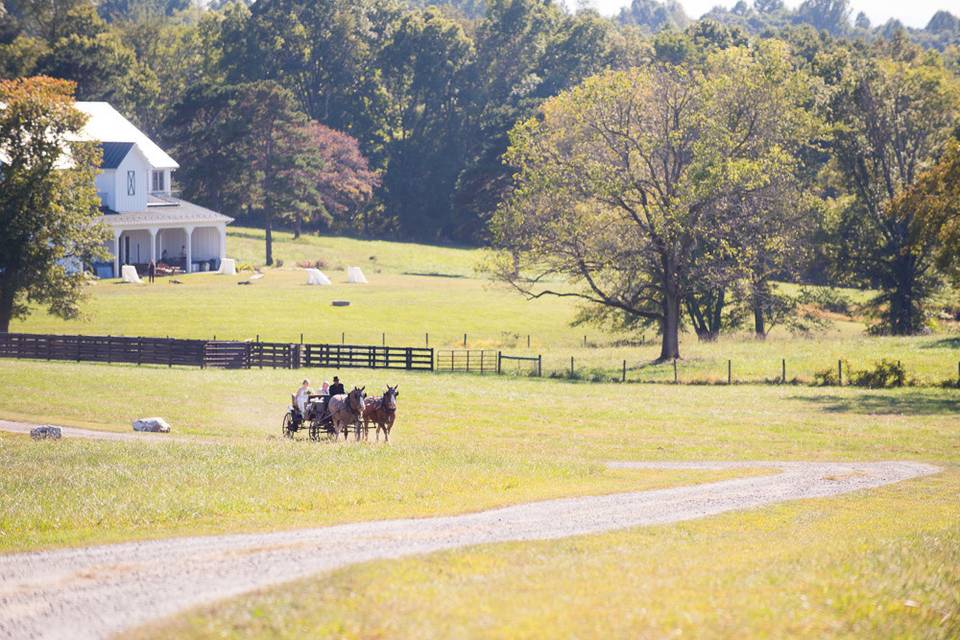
x=625, y=179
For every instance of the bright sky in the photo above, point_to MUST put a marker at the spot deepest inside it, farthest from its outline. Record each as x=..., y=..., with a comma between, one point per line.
x=915, y=13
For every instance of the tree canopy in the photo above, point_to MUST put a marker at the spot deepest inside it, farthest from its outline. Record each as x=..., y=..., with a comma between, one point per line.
x=48, y=202
x=632, y=185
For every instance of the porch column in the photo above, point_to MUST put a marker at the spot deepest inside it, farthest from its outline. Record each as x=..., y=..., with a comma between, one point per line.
x=153, y=244
x=116, y=253
x=189, y=266
x=223, y=242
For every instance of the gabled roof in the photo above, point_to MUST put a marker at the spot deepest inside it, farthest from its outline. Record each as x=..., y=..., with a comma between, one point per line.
x=114, y=153
x=108, y=125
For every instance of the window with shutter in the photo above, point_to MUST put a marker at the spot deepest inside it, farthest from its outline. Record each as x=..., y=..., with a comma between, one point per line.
x=131, y=183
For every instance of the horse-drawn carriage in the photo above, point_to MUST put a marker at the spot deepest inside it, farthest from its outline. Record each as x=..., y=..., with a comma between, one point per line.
x=333, y=415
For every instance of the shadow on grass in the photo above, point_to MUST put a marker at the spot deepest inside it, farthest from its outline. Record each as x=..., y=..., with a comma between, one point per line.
x=945, y=343
x=433, y=274
x=907, y=404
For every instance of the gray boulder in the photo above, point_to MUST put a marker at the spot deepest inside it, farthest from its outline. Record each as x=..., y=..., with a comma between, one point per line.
x=153, y=425
x=45, y=432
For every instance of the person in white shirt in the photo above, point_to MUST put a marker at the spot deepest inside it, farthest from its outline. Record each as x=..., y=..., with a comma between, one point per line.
x=303, y=397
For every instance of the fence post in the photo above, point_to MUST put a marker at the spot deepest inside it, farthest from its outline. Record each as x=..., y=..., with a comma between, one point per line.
x=528, y=341
x=584, y=341
x=571, y=367
x=623, y=374
x=840, y=372
x=729, y=372
x=301, y=338
x=343, y=337
x=676, y=378
x=169, y=353
x=383, y=339
x=499, y=361
x=539, y=365
x=409, y=355
x=468, y=361
x=899, y=366
x=783, y=371
x=140, y=350
x=464, y=341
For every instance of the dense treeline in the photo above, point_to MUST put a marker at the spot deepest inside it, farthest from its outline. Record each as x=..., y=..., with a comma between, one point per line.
x=393, y=117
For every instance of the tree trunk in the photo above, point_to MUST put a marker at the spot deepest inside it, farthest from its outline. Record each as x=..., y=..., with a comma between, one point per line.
x=297, y=225
x=759, y=322
x=268, y=228
x=6, y=304
x=670, y=325
x=903, y=317
x=760, y=295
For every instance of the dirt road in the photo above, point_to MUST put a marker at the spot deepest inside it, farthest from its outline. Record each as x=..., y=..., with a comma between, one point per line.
x=97, y=591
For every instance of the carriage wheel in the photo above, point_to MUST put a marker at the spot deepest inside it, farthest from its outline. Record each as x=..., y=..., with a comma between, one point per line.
x=288, y=428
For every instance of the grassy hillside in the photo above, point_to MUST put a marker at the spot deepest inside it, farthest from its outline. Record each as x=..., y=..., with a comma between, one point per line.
x=416, y=290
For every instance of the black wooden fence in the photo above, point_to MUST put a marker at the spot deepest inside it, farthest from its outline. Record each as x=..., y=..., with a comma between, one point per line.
x=211, y=353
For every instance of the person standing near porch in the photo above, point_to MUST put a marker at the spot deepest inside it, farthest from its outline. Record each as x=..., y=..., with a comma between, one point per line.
x=151, y=271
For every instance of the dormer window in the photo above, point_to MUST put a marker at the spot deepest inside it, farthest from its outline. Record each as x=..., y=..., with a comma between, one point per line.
x=131, y=183
x=158, y=182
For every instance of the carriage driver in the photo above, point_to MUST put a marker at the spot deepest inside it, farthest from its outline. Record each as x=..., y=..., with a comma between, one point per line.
x=337, y=387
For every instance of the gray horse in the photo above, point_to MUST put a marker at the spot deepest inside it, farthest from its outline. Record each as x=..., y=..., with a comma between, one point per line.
x=345, y=410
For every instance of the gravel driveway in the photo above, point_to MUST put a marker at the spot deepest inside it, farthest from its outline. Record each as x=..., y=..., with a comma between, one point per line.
x=97, y=591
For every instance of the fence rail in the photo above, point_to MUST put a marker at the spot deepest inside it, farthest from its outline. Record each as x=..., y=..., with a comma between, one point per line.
x=468, y=360
x=211, y=353
x=103, y=349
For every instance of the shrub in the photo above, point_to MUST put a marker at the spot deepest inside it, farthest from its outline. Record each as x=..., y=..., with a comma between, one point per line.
x=312, y=264
x=885, y=374
x=828, y=299
x=826, y=378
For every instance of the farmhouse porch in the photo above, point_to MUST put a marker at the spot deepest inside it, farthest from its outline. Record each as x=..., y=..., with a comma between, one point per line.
x=174, y=232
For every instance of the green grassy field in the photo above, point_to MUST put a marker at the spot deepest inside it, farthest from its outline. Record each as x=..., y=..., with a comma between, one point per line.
x=461, y=443
x=417, y=290
x=857, y=566
x=861, y=565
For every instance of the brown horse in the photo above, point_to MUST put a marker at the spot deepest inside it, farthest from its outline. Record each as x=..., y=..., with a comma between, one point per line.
x=345, y=410
x=382, y=412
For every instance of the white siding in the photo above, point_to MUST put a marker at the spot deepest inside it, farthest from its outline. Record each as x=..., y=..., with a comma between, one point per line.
x=107, y=188
x=206, y=243
x=138, y=164
x=139, y=246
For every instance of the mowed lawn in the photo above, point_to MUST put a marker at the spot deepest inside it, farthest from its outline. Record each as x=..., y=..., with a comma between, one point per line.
x=416, y=290
x=880, y=564
x=461, y=443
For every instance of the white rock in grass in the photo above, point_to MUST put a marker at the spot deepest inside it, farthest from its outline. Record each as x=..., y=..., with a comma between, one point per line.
x=154, y=425
x=44, y=432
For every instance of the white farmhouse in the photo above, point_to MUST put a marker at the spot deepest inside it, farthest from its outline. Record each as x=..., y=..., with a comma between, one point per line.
x=148, y=222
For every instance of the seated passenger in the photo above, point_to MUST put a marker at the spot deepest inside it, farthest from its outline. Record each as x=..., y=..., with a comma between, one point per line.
x=302, y=397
